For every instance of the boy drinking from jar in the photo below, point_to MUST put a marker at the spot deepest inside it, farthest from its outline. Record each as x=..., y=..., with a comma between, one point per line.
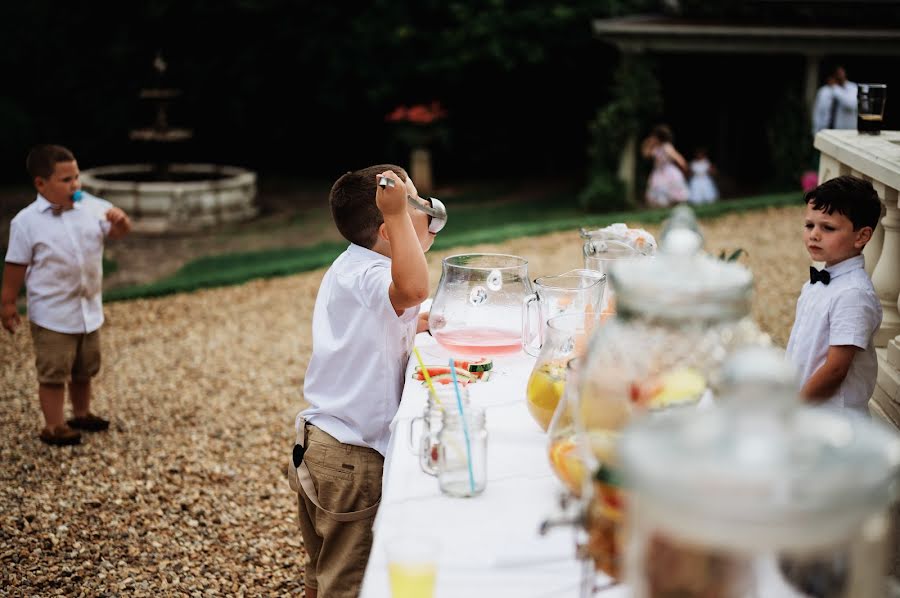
x=364, y=322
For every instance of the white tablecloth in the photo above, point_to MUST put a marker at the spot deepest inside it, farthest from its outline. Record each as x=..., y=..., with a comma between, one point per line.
x=489, y=544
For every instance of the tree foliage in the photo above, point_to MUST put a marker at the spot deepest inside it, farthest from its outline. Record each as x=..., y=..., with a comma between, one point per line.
x=300, y=86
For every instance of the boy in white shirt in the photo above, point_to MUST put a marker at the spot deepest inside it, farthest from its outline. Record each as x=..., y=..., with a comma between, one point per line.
x=56, y=250
x=364, y=323
x=838, y=313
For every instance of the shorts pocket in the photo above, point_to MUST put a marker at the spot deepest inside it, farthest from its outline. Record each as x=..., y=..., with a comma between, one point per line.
x=338, y=491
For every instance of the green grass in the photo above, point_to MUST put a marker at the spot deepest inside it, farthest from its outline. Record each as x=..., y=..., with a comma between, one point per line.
x=469, y=224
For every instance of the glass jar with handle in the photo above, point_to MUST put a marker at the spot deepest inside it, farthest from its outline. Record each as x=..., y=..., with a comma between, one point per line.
x=477, y=309
x=565, y=338
x=575, y=292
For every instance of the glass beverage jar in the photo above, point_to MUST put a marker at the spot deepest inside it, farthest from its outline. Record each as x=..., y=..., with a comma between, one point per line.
x=678, y=315
x=462, y=454
x=477, y=309
x=760, y=497
x=567, y=458
x=565, y=338
x=600, y=255
x=575, y=292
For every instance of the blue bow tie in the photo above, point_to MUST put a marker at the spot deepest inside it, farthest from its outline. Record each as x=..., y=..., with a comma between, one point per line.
x=822, y=276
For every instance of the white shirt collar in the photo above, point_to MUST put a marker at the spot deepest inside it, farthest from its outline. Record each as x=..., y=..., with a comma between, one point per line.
x=846, y=266
x=44, y=204
x=361, y=251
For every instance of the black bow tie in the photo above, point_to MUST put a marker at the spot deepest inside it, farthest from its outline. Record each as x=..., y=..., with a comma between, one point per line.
x=822, y=276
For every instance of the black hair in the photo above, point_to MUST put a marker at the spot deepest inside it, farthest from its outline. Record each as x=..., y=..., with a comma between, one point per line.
x=353, y=207
x=42, y=159
x=853, y=197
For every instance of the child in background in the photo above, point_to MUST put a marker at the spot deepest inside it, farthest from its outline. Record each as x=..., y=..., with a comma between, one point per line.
x=56, y=251
x=838, y=313
x=702, y=187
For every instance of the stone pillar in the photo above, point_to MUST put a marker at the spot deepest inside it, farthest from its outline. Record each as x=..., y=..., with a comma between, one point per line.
x=628, y=169
x=877, y=159
x=811, y=81
x=420, y=170
x=873, y=247
x=886, y=276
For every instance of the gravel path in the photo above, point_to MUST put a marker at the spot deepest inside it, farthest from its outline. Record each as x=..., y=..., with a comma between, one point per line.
x=186, y=493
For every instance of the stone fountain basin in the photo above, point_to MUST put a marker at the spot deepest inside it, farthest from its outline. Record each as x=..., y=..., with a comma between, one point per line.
x=202, y=196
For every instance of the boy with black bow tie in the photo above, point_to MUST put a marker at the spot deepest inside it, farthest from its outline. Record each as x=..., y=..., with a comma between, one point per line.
x=838, y=313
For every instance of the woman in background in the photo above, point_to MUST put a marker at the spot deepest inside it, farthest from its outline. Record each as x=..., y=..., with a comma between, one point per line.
x=667, y=185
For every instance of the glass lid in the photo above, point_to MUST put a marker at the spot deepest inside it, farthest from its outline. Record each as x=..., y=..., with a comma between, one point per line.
x=761, y=459
x=683, y=282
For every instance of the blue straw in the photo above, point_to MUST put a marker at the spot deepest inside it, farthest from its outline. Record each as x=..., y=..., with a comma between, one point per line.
x=462, y=417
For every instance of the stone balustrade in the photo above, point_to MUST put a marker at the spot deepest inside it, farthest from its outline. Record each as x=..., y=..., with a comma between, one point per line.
x=876, y=158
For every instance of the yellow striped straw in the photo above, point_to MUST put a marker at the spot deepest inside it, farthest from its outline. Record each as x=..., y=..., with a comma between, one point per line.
x=427, y=377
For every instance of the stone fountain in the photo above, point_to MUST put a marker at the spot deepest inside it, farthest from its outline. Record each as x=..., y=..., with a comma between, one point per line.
x=163, y=197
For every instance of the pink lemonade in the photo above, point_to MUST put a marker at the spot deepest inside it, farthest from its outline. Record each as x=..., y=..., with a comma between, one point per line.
x=482, y=341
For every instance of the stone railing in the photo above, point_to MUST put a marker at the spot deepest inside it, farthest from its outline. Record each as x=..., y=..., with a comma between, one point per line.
x=876, y=158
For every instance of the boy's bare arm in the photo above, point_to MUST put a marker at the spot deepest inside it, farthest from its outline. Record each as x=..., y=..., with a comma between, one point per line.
x=120, y=223
x=826, y=380
x=409, y=270
x=13, y=278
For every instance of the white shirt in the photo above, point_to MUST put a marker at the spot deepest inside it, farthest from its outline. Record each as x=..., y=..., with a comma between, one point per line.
x=360, y=349
x=844, y=312
x=64, y=255
x=840, y=98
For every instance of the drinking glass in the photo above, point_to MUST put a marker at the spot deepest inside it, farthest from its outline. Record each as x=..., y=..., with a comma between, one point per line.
x=871, y=98
x=412, y=566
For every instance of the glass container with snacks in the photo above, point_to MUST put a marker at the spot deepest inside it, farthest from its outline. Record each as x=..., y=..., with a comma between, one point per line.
x=678, y=316
x=565, y=338
x=760, y=496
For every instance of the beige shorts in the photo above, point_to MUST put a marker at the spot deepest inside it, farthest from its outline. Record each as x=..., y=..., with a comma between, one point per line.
x=61, y=358
x=347, y=478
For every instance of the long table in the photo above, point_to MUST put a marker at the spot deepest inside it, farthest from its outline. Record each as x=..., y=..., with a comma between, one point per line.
x=489, y=544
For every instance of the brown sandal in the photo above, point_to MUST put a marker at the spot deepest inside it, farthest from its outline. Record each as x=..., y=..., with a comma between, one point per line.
x=60, y=436
x=89, y=423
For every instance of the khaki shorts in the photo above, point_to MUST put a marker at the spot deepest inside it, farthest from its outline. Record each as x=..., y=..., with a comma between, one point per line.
x=347, y=478
x=61, y=358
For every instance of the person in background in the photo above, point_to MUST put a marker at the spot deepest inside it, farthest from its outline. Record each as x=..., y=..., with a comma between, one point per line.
x=702, y=187
x=666, y=185
x=835, y=106
x=56, y=251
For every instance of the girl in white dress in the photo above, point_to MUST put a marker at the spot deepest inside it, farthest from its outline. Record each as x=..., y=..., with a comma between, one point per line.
x=702, y=188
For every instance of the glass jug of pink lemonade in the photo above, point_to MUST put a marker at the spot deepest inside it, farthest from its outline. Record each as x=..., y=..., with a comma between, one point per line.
x=477, y=309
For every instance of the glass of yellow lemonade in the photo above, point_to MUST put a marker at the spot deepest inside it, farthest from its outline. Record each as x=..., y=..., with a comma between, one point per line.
x=412, y=566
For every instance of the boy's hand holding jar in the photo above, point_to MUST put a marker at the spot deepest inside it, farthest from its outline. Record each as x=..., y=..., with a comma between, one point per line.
x=390, y=198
